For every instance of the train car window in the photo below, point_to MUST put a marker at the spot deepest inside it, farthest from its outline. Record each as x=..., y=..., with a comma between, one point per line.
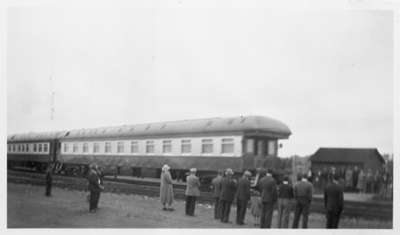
x=45, y=148
x=227, y=145
x=108, y=147
x=260, y=148
x=19, y=148
x=22, y=147
x=65, y=147
x=150, y=146
x=271, y=147
x=167, y=146
x=134, y=147
x=40, y=148
x=96, y=147
x=250, y=146
x=9, y=147
x=120, y=147
x=27, y=147
x=35, y=148
x=13, y=147
x=207, y=146
x=186, y=146
x=85, y=148
x=75, y=147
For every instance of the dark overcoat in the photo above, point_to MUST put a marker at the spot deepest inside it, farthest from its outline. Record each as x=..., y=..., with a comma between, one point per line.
x=243, y=189
x=228, y=189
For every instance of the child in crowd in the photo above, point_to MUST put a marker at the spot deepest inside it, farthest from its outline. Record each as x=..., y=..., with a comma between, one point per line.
x=255, y=206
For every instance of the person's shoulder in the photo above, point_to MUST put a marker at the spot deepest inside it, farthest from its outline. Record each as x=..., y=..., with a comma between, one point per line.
x=270, y=179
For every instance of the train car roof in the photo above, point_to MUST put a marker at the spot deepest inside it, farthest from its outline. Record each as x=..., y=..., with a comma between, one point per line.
x=255, y=124
x=36, y=136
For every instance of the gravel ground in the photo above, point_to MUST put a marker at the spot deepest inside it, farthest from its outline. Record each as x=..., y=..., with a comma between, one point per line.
x=27, y=207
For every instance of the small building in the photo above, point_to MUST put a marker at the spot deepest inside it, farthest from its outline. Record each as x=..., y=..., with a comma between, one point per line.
x=363, y=158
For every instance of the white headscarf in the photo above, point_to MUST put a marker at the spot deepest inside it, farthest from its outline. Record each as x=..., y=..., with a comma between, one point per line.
x=165, y=168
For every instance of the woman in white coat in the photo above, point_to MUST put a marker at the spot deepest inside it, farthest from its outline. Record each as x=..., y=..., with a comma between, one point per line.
x=166, y=190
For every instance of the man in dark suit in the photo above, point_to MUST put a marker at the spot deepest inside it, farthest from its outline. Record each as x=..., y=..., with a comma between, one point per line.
x=302, y=191
x=285, y=195
x=228, y=190
x=267, y=186
x=49, y=179
x=242, y=197
x=216, y=187
x=192, y=191
x=94, y=187
x=333, y=198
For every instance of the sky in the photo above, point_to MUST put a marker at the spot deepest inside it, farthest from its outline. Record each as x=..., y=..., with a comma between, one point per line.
x=327, y=74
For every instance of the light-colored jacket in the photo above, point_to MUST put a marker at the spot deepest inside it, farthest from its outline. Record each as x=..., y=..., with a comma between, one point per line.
x=192, y=186
x=166, y=190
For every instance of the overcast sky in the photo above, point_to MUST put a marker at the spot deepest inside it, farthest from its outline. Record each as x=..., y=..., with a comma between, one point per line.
x=327, y=74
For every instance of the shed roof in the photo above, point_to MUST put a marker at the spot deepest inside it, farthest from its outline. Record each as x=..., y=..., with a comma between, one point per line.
x=332, y=155
x=209, y=125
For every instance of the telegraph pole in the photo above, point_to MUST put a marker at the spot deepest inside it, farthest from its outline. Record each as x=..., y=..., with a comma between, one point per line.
x=52, y=95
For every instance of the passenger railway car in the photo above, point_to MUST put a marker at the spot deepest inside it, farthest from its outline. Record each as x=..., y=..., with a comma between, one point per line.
x=33, y=150
x=207, y=144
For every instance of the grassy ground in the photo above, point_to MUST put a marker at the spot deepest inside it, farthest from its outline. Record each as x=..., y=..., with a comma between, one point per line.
x=27, y=207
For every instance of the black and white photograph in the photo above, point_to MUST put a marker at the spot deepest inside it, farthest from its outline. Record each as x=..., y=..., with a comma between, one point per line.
x=199, y=115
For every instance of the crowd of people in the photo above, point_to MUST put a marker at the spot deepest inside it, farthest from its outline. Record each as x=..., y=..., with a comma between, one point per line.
x=263, y=193
x=354, y=179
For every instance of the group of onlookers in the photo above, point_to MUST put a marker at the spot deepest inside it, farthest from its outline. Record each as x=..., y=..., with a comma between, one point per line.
x=263, y=193
x=354, y=179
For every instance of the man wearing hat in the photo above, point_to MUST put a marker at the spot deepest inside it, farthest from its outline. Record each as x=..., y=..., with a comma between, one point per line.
x=192, y=191
x=242, y=197
x=94, y=187
x=228, y=190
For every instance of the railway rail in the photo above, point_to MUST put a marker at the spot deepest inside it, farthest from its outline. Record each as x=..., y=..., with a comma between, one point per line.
x=367, y=210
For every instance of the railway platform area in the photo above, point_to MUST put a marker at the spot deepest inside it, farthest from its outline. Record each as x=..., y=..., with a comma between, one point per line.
x=27, y=207
x=348, y=196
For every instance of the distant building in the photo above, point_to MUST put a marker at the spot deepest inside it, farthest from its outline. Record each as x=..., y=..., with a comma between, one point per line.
x=364, y=158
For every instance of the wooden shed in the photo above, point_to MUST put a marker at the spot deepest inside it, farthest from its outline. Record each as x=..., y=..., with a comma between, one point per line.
x=363, y=158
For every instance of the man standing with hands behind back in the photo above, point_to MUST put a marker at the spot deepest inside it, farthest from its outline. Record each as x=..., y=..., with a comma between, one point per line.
x=228, y=190
x=333, y=198
x=303, y=191
x=216, y=187
x=269, y=196
x=242, y=197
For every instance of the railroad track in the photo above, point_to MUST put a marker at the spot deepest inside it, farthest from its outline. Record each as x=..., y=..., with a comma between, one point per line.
x=367, y=210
